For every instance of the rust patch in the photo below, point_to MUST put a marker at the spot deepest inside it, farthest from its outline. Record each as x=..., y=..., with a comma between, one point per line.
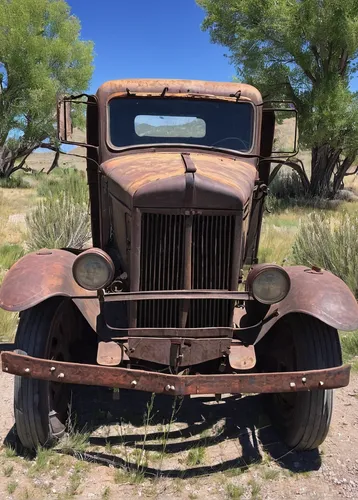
x=180, y=385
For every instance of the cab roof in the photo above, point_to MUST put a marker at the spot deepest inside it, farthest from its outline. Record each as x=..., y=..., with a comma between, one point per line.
x=159, y=86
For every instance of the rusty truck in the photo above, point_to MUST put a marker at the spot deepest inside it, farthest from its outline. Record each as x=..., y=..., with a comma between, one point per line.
x=172, y=289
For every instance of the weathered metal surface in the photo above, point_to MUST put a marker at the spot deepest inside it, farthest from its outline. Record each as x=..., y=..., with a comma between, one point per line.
x=193, y=251
x=27, y=366
x=158, y=180
x=178, y=351
x=156, y=86
x=41, y=275
x=242, y=357
x=179, y=332
x=319, y=294
x=176, y=294
x=109, y=354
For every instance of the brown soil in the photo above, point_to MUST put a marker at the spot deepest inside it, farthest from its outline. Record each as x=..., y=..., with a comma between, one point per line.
x=221, y=450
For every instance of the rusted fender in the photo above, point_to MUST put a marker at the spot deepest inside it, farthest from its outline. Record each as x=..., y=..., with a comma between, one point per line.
x=320, y=294
x=40, y=275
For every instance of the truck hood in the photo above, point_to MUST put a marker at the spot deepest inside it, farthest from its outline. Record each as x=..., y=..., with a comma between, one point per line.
x=181, y=180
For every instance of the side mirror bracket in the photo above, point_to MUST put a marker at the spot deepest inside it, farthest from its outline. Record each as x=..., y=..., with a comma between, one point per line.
x=285, y=113
x=65, y=107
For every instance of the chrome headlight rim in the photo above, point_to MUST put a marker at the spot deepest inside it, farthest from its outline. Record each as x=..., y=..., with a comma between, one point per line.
x=101, y=257
x=260, y=269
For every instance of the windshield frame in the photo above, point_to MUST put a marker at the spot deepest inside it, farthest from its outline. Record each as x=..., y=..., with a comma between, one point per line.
x=181, y=144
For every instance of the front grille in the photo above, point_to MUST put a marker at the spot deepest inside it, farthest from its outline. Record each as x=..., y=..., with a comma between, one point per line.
x=162, y=267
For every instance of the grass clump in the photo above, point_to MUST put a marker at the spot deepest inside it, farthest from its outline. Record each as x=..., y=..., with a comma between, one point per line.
x=8, y=470
x=9, y=254
x=64, y=182
x=330, y=242
x=15, y=181
x=196, y=456
x=75, y=442
x=234, y=492
x=11, y=487
x=349, y=344
x=8, y=324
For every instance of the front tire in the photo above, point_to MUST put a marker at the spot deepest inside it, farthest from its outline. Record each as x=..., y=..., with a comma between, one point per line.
x=41, y=406
x=301, y=342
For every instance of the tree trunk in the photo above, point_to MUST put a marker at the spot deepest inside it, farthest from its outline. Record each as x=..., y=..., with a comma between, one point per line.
x=7, y=163
x=324, y=161
x=341, y=173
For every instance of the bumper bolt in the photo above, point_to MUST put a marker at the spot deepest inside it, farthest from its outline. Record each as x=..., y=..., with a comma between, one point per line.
x=60, y=375
x=52, y=369
x=292, y=385
x=172, y=388
x=304, y=380
x=321, y=383
x=27, y=370
x=168, y=387
x=134, y=383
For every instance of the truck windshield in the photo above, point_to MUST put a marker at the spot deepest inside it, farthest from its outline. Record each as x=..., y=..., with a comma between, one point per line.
x=148, y=120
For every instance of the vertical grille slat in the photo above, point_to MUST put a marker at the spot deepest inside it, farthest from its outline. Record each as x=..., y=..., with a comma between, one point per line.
x=162, y=268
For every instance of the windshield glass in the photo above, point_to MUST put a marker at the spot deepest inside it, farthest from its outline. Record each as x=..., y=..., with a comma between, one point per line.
x=223, y=124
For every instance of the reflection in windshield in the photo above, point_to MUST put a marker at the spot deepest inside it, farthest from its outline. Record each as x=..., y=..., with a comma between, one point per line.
x=169, y=126
x=225, y=124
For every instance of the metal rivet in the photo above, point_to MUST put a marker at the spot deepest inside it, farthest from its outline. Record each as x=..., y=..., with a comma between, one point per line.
x=172, y=388
x=321, y=383
x=6, y=369
x=168, y=387
x=60, y=375
x=52, y=369
x=134, y=383
x=27, y=370
x=292, y=384
x=304, y=380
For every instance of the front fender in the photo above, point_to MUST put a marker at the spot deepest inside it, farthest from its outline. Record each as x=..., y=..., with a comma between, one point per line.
x=318, y=293
x=40, y=275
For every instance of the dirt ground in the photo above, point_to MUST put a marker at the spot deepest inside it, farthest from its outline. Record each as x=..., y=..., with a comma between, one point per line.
x=225, y=449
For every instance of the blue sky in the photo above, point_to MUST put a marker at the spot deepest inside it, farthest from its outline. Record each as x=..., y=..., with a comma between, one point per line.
x=150, y=39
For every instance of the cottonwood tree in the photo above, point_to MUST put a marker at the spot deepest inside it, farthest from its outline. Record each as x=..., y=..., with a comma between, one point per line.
x=41, y=55
x=306, y=51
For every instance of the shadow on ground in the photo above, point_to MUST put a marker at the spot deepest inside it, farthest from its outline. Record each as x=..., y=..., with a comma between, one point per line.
x=233, y=419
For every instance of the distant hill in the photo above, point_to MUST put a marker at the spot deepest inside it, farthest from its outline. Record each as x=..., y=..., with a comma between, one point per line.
x=195, y=128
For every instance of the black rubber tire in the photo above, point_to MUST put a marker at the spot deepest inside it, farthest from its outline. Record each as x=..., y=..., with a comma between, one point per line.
x=304, y=422
x=37, y=421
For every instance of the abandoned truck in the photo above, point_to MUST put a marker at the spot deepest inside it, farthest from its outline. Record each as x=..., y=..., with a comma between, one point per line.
x=172, y=291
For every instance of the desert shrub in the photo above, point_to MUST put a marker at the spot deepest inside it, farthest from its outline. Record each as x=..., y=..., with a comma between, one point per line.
x=58, y=223
x=15, y=181
x=330, y=242
x=287, y=184
x=62, y=218
x=64, y=181
x=9, y=254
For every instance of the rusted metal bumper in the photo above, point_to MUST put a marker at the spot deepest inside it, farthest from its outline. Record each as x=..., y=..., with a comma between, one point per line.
x=140, y=380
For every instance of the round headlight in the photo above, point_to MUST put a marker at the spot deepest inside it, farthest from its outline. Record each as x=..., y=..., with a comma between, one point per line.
x=269, y=284
x=93, y=269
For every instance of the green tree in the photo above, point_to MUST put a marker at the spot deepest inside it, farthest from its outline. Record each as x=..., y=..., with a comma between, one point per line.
x=306, y=51
x=41, y=55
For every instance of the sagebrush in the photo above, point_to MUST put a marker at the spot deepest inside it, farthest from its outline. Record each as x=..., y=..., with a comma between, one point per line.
x=58, y=223
x=330, y=242
x=61, y=219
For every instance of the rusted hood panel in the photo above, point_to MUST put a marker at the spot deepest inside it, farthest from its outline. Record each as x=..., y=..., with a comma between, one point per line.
x=160, y=180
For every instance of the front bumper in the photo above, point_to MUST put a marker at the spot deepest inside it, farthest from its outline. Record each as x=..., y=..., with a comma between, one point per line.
x=179, y=385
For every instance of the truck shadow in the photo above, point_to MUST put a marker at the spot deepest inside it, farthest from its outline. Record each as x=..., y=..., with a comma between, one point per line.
x=198, y=422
